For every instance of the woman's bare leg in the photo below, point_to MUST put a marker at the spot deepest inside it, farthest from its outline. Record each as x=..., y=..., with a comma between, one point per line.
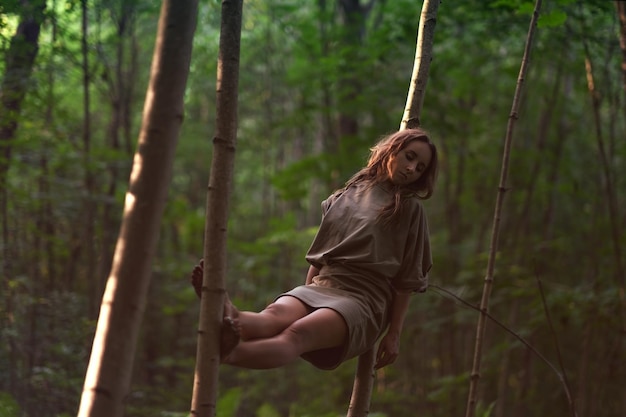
x=239, y=326
x=275, y=318
x=272, y=320
x=323, y=328
x=277, y=335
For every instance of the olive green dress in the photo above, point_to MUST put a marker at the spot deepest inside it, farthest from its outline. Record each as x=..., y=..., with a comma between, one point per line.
x=361, y=258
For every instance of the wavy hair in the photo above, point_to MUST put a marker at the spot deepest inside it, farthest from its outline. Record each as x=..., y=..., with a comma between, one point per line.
x=375, y=171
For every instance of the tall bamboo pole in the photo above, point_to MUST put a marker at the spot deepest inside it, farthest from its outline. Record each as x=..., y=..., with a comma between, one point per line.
x=493, y=248
x=204, y=399
x=364, y=378
x=421, y=65
x=108, y=378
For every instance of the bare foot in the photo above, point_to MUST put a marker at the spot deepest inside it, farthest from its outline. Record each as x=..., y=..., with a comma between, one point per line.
x=230, y=334
x=229, y=337
x=231, y=330
x=229, y=309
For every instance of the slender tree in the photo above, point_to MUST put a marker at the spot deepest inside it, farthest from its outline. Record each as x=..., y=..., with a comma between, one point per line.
x=364, y=379
x=493, y=248
x=120, y=76
x=89, y=179
x=621, y=15
x=605, y=161
x=110, y=367
x=421, y=65
x=363, y=385
x=204, y=399
x=354, y=16
x=19, y=63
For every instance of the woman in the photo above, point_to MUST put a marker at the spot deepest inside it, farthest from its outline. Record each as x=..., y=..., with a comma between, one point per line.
x=370, y=253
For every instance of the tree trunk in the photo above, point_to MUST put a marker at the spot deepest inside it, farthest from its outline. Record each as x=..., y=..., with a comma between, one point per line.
x=611, y=199
x=363, y=384
x=121, y=78
x=110, y=367
x=19, y=62
x=520, y=228
x=204, y=400
x=472, y=398
x=608, y=184
x=421, y=65
x=364, y=379
x=89, y=181
x=621, y=15
x=354, y=17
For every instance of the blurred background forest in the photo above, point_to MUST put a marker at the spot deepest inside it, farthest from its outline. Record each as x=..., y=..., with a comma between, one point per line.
x=320, y=82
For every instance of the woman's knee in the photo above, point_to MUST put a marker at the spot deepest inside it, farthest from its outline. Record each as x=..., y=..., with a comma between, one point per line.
x=286, y=309
x=275, y=310
x=321, y=329
x=275, y=318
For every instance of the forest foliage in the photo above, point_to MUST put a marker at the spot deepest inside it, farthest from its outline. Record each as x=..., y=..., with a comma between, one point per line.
x=319, y=83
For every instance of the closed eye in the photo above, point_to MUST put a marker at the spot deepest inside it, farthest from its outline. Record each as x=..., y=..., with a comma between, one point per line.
x=411, y=156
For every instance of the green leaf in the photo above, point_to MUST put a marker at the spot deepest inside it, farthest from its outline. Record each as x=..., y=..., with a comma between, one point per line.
x=552, y=19
x=8, y=406
x=267, y=410
x=227, y=405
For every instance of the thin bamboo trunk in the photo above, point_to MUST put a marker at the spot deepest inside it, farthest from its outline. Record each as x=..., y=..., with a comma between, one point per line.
x=611, y=195
x=472, y=399
x=204, y=400
x=19, y=62
x=109, y=373
x=364, y=379
x=609, y=189
x=421, y=65
x=606, y=168
x=363, y=385
x=89, y=180
x=621, y=15
x=520, y=227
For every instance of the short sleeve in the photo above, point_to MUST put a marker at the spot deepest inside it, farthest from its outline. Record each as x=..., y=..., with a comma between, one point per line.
x=417, y=259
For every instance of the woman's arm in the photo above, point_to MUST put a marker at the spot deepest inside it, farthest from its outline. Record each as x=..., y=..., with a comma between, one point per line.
x=389, y=347
x=313, y=272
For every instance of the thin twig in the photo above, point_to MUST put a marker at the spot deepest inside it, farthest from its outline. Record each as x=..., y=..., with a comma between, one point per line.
x=511, y=332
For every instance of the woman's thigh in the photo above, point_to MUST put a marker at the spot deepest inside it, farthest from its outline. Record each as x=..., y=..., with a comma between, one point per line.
x=275, y=318
x=321, y=329
x=287, y=309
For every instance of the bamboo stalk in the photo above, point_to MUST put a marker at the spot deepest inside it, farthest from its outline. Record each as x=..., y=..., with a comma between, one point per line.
x=363, y=384
x=205, y=386
x=364, y=378
x=493, y=248
x=421, y=65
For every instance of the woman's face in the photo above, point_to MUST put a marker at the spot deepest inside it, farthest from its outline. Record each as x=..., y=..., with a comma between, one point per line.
x=408, y=165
